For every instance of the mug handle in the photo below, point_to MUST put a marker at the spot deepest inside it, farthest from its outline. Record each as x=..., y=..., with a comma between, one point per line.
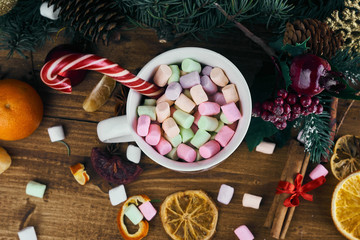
x=114, y=130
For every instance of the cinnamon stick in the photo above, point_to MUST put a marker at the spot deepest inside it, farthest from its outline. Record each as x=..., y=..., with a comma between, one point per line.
x=332, y=123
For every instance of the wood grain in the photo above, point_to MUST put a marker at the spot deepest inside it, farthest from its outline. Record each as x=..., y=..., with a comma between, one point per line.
x=72, y=211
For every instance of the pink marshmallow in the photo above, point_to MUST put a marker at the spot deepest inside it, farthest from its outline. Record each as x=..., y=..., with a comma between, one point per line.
x=243, y=233
x=198, y=94
x=162, y=111
x=143, y=125
x=148, y=210
x=186, y=152
x=154, y=135
x=197, y=116
x=209, y=149
x=224, y=135
x=231, y=111
x=208, y=85
x=163, y=147
x=218, y=98
x=170, y=127
x=318, y=171
x=209, y=108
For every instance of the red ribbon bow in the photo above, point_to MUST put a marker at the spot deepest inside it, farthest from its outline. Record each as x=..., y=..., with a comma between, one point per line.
x=297, y=190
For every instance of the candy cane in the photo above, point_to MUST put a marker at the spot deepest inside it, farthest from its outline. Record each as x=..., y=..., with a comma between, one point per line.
x=75, y=61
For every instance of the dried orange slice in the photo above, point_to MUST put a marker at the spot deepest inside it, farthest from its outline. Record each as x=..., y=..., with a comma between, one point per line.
x=5, y=160
x=345, y=206
x=79, y=173
x=189, y=215
x=346, y=157
x=143, y=225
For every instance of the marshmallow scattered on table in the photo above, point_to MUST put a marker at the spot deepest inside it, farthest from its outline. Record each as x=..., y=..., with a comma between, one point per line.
x=56, y=133
x=218, y=76
x=143, y=125
x=209, y=86
x=147, y=110
x=134, y=214
x=265, y=147
x=117, y=195
x=27, y=233
x=48, y=11
x=198, y=94
x=148, y=210
x=186, y=153
x=133, y=154
x=230, y=93
x=154, y=134
x=226, y=193
x=162, y=75
x=318, y=171
x=189, y=65
x=35, y=189
x=243, y=233
x=175, y=75
x=251, y=201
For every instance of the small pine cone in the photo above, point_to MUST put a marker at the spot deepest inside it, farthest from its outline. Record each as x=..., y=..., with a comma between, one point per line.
x=323, y=41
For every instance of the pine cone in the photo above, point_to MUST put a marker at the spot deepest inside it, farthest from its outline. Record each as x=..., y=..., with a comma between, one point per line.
x=323, y=41
x=95, y=19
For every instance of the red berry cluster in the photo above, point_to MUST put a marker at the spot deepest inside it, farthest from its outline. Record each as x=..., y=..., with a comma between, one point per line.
x=286, y=107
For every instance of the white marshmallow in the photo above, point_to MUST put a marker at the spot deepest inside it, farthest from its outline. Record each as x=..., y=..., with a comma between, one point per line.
x=56, y=133
x=27, y=233
x=226, y=193
x=48, y=12
x=265, y=147
x=251, y=201
x=133, y=154
x=117, y=195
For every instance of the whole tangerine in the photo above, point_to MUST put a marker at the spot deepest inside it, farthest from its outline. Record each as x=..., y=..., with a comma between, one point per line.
x=21, y=109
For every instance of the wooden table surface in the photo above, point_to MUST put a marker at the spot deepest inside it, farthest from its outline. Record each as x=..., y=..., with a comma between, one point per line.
x=72, y=211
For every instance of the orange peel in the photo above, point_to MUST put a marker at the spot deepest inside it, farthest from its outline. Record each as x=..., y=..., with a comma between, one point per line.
x=79, y=173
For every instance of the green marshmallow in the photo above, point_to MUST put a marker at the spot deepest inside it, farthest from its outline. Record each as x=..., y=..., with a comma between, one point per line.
x=224, y=119
x=208, y=123
x=200, y=138
x=173, y=154
x=150, y=102
x=184, y=119
x=147, y=110
x=134, y=214
x=220, y=125
x=175, y=76
x=189, y=65
x=35, y=189
x=175, y=141
x=187, y=134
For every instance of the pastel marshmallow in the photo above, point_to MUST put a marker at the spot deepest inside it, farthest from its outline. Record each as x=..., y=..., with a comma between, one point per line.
x=147, y=210
x=173, y=90
x=225, y=194
x=162, y=111
x=243, y=233
x=163, y=147
x=154, y=134
x=185, y=103
x=209, y=149
x=172, y=154
x=186, y=134
x=224, y=135
x=170, y=127
x=224, y=119
x=186, y=153
x=219, y=98
x=200, y=138
x=218, y=76
x=164, y=98
x=133, y=154
x=134, y=214
x=265, y=147
x=184, y=119
x=189, y=65
x=220, y=125
x=206, y=70
x=318, y=171
x=209, y=86
x=208, y=123
x=189, y=80
x=147, y=110
x=230, y=93
x=251, y=201
x=162, y=75
x=175, y=74
x=174, y=141
x=231, y=112
x=150, y=102
x=117, y=195
x=209, y=108
x=35, y=189
x=143, y=125
x=56, y=133
x=27, y=233
x=198, y=94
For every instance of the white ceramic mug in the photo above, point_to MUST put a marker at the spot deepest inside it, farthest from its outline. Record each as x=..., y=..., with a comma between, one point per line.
x=123, y=128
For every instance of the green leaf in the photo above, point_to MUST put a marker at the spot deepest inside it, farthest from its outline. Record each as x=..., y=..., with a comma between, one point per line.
x=286, y=73
x=258, y=130
x=297, y=49
x=278, y=44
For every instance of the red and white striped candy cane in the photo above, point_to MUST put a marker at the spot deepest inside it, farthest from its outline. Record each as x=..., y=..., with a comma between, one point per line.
x=75, y=61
